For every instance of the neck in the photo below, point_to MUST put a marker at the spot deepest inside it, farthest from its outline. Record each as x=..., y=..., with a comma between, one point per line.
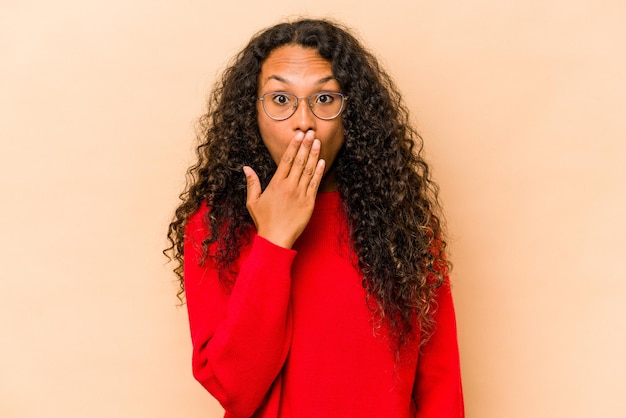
x=329, y=182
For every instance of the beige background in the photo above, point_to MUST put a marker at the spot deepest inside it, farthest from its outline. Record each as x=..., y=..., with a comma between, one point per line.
x=522, y=107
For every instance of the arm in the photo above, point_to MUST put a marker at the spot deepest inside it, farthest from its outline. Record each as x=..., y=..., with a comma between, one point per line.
x=438, y=392
x=240, y=340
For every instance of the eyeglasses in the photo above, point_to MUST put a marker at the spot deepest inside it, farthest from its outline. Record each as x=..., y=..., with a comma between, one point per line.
x=325, y=105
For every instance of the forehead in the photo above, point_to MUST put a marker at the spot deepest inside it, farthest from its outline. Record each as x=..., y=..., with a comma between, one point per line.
x=294, y=64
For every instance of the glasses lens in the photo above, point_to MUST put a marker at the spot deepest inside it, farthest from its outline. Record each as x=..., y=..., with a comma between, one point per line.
x=326, y=105
x=279, y=105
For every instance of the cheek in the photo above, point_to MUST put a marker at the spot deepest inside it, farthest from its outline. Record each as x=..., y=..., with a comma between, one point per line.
x=272, y=138
x=334, y=141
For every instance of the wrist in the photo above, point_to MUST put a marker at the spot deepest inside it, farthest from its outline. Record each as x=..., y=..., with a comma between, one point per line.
x=277, y=238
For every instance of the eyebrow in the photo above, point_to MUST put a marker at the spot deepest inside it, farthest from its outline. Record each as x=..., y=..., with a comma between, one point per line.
x=285, y=81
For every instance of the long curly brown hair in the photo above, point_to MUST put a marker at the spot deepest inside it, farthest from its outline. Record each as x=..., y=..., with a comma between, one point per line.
x=388, y=196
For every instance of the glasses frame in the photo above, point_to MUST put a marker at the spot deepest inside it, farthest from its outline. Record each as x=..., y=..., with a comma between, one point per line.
x=344, y=98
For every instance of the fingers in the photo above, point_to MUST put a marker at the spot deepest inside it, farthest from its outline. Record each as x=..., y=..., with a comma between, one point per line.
x=282, y=211
x=297, y=156
x=316, y=179
x=288, y=158
x=312, y=159
x=253, y=185
x=305, y=155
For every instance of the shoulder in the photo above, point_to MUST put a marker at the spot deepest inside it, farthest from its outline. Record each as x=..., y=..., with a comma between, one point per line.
x=197, y=227
x=196, y=219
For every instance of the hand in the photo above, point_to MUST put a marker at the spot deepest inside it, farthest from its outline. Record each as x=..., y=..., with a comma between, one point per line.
x=284, y=208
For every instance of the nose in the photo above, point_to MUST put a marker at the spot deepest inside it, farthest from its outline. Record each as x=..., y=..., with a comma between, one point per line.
x=303, y=119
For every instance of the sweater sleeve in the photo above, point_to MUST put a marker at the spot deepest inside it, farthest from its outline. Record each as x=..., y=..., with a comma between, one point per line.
x=240, y=338
x=438, y=391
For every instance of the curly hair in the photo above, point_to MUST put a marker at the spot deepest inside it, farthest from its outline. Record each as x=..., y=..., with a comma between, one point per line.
x=391, y=203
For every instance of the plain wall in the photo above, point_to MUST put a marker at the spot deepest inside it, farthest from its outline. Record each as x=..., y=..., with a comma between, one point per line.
x=522, y=108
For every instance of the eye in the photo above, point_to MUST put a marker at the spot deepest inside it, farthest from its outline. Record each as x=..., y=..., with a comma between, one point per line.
x=281, y=99
x=325, y=98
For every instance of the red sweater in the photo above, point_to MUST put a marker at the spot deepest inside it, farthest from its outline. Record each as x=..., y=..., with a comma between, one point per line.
x=294, y=336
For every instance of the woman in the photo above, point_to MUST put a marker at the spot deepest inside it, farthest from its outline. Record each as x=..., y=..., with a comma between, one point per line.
x=309, y=240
